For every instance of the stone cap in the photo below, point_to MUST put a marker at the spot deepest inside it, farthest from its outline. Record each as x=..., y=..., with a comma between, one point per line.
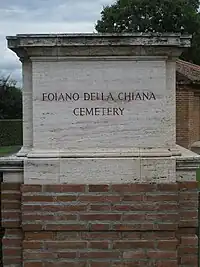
x=87, y=44
x=11, y=163
x=83, y=39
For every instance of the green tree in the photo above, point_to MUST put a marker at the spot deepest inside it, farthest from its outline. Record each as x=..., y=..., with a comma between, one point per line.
x=193, y=54
x=10, y=99
x=154, y=16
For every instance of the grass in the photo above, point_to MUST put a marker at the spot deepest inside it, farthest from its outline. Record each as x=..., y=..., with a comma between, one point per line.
x=8, y=150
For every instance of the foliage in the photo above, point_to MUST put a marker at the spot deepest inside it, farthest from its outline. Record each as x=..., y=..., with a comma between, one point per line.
x=10, y=100
x=8, y=150
x=155, y=16
x=10, y=133
x=198, y=177
x=193, y=53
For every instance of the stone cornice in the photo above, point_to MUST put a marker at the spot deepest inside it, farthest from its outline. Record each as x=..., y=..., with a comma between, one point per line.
x=29, y=40
x=130, y=44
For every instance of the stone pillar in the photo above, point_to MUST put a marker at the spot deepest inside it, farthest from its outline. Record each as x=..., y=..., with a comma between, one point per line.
x=104, y=183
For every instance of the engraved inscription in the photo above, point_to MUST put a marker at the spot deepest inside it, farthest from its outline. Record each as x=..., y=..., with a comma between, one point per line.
x=98, y=111
x=120, y=97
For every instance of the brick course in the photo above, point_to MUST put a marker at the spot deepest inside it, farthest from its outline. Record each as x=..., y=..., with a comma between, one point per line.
x=100, y=225
x=11, y=222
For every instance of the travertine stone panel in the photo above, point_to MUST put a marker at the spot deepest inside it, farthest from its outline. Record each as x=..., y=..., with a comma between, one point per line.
x=186, y=175
x=41, y=171
x=158, y=170
x=13, y=177
x=99, y=171
x=141, y=123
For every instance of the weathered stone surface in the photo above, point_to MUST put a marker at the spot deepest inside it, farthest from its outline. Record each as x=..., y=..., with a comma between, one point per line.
x=117, y=114
x=99, y=108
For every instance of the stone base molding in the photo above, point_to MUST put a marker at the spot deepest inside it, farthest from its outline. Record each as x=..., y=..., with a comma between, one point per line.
x=111, y=225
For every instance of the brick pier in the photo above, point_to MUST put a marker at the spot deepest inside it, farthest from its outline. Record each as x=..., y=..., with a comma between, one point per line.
x=127, y=225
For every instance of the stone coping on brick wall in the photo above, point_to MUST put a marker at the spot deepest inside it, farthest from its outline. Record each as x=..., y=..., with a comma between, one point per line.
x=196, y=147
x=11, y=163
x=187, y=155
x=189, y=70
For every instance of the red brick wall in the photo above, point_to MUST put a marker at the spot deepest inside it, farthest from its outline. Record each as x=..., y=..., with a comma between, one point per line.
x=11, y=222
x=100, y=226
x=187, y=115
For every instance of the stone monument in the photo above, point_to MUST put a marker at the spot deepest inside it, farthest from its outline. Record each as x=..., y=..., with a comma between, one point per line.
x=99, y=180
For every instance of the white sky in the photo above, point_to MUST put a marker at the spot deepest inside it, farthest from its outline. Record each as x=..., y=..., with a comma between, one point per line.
x=43, y=16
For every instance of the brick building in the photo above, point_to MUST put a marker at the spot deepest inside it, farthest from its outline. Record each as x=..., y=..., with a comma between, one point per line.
x=188, y=105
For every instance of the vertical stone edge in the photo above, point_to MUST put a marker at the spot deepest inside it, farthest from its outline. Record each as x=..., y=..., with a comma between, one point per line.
x=27, y=107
